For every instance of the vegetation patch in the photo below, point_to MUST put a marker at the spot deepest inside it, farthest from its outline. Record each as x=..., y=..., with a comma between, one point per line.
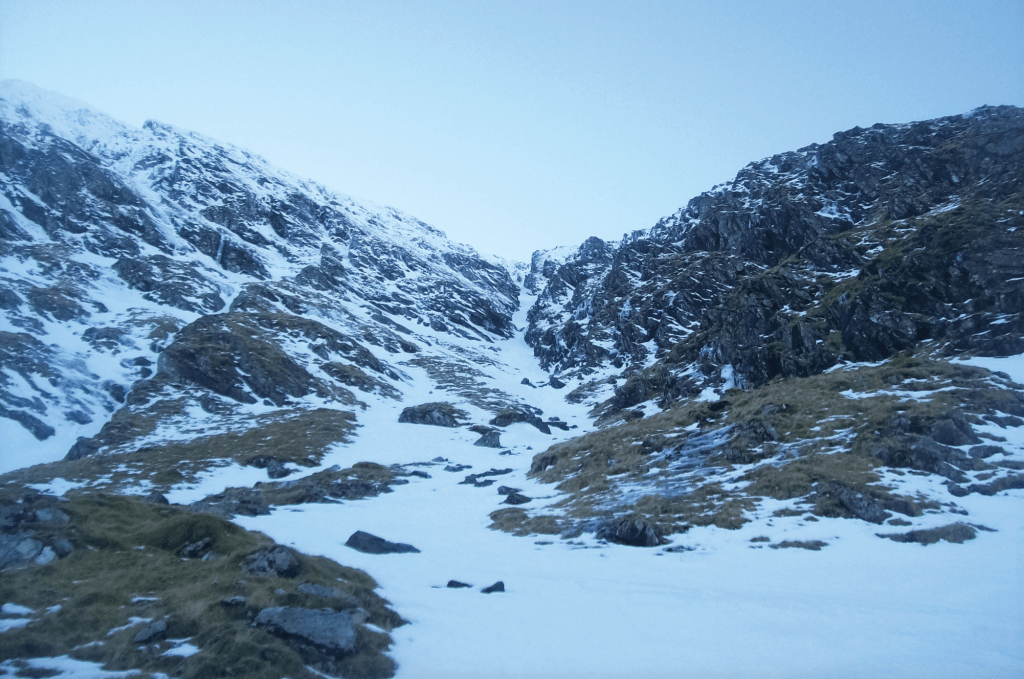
x=135, y=564
x=821, y=441
x=297, y=436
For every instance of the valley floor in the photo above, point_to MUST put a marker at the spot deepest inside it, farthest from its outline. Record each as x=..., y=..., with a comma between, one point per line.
x=718, y=605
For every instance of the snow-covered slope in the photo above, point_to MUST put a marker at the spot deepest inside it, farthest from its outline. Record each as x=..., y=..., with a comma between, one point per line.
x=114, y=238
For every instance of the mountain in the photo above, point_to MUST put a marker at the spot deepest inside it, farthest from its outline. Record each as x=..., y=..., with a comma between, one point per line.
x=255, y=427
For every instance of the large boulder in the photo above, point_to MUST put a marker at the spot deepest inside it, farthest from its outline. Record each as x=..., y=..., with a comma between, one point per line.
x=437, y=414
x=327, y=630
x=278, y=561
x=629, y=531
x=371, y=544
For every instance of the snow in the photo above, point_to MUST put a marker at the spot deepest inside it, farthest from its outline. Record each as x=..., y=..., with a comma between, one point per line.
x=68, y=668
x=182, y=648
x=57, y=486
x=1011, y=365
x=15, y=609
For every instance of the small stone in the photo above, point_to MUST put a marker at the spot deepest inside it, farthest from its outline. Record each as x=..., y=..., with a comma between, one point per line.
x=232, y=601
x=152, y=632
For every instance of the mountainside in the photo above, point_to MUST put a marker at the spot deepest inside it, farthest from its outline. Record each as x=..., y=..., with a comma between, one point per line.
x=115, y=239
x=772, y=390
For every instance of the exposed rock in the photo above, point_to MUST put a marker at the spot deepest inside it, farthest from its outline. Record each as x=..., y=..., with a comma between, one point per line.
x=499, y=586
x=856, y=503
x=152, y=632
x=233, y=502
x=321, y=592
x=328, y=630
x=196, y=550
x=954, y=431
x=986, y=451
x=436, y=414
x=52, y=515
x=629, y=531
x=491, y=439
x=527, y=414
x=275, y=561
x=516, y=499
x=455, y=584
x=371, y=544
x=506, y=490
x=18, y=550
x=1010, y=482
x=474, y=479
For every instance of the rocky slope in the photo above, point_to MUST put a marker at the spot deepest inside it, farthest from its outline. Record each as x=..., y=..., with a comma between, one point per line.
x=873, y=243
x=801, y=359
x=118, y=242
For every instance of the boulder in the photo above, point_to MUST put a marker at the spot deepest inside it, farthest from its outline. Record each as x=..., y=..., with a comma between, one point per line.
x=521, y=413
x=499, y=586
x=275, y=561
x=455, y=584
x=516, y=499
x=437, y=414
x=327, y=630
x=52, y=515
x=151, y=632
x=371, y=544
x=489, y=440
x=629, y=531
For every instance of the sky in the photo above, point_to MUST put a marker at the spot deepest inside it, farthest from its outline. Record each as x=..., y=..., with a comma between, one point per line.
x=525, y=125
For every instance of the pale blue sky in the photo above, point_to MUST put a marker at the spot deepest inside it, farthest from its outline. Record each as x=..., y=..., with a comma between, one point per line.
x=520, y=125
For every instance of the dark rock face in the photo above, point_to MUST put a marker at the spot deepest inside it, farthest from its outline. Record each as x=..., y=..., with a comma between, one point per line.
x=240, y=356
x=870, y=244
x=330, y=631
x=371, y=544
x=628, y=531
x=499, y=586
x=436, y=414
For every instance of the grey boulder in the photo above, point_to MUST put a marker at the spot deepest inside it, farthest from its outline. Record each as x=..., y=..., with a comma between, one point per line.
x=328, y=630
